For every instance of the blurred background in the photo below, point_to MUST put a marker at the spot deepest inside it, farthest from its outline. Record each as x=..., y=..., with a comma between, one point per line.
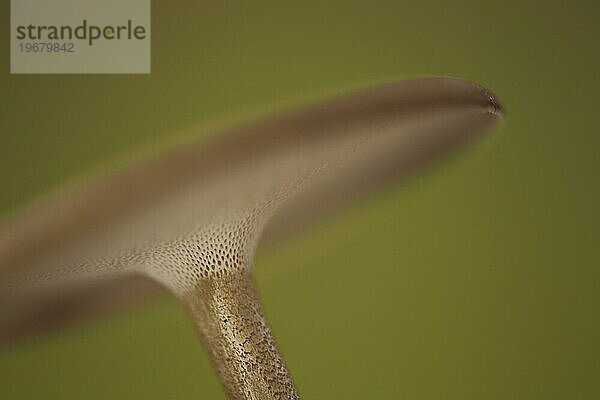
x=477, y=279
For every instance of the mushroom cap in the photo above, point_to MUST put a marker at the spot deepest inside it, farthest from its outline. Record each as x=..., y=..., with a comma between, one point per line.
x=200, y=210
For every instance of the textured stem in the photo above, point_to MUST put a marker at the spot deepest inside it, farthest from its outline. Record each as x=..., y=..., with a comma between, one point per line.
x=234, y=330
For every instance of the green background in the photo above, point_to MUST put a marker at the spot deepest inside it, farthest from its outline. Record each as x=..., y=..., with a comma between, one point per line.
x=478, y=279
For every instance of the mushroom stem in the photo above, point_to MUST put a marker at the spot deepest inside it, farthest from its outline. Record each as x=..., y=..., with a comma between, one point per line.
x=235, y=333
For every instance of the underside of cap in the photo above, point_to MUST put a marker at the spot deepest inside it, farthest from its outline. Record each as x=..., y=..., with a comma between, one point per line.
x=199, y=211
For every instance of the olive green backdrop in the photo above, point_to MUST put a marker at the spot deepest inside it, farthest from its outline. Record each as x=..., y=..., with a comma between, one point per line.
x=478, y=279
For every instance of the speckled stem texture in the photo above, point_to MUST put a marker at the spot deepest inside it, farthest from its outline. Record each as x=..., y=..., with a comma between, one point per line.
x=235, y=333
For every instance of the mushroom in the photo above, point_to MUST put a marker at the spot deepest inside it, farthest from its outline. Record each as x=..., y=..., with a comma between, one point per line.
x=192, y=218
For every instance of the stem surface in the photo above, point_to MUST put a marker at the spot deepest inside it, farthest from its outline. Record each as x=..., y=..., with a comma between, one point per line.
x=235, y=333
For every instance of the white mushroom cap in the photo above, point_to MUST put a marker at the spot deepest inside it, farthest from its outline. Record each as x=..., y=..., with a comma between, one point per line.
x=199, y=211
